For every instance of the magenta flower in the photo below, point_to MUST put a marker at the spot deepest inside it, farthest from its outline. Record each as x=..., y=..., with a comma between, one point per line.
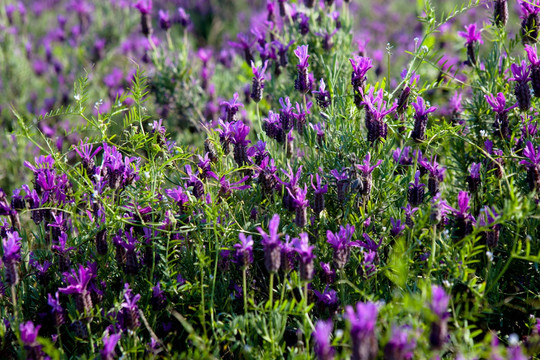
x=301, y=53
x=226, y=186
x=302, y=82
x=144, y=6
x=321, y=335
x=532, y=156
x=322, y=95
x=109, y=344
x=11, y=247
x=360, y=66
x=305, y=255
x=232, y=107
x=439, y=302
x=29, y=333
x=78, y=281
x=401, y=344
x=532, y=55
x=271, y=245
x=366, y=168
x=520, y=72
x=244, y=250
x=498, y=103
x=397, y=227
x=362, y=320
x=341, y=243
x=164, y=19
x=470, y=34
x=420, y=118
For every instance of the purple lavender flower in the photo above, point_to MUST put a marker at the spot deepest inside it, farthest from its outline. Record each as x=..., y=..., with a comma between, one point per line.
x=301, y=204
x=258, y=81
x=29, y=334
x=300, y=117
x=145, y=8
x=463, y=220
x=342, y=184
x=366, y=170
x=341, y=243
x=78, y=281
x=472, y=37
x=164, y=20
x=321, y=335
x=360, y=66
x=436, y=174
x=305, y=256
x=205, y=167
x=322, y=96
x=87, y=155
x=11, y=246
x=487, y=218
x=266, y=176
x=271, y=245
x=401, y=344
x=530, y=23
x=369, y=243
x=109, y=344
x=129, y=313
x=375, y=112
x=327, y=301
x=244, y=251
x=303, y=23
x=240, y=132
x=194, y=181
x=302, y=81
x=474, y=177
x=409, y=213
x=319, y=190
x=439, y=328
x=397, y=227
x=232, y=107
x=362, y=322
x=328, y=274
x=291, y=186
x=244, y=45
x=420, y=119
x=498, y=103
x=226, y=187
x=500, y=12
x=57, y=309
x=535, y=68
x=403, y=100
x=403, y=158
x=415, y=193
x=183, y=18
x=532, y=164
x=521, y=89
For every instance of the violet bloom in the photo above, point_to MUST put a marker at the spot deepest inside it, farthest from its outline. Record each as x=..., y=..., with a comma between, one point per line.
x=321, y=336
x=521, y=90
x=341, y=242
x=244, y=45
x=401, y=344
x=78, y=281
x=286, y=114
x=409, y=213
x=362, y=320
x=129, y=313
x=415, y=193
x=271, y=245
x=319, y=191
x=291, y=186
x=302, y=81
x=305, y=256
x=300, y=116
x=240, y=132
x=439, y=328
x=403, y=100
x=29, y=334
x=487, y=218
x=194, y=181
x=421, y=119
x=463, y=220
x=87, y=153
x=360, y=66
x=109, y=344
x=436, y=174
x=534, y=67
x=266, y=176
x=322, y=96
x=366, y=170
x=164, y=20
x=403, y=158
x=145, y=8
x=179, y=196
x=342, y=184
x=257, y=85
x=498, y=103
x=183, y=18
x=472, y=37
x=57, y=309
x=11, y=247
x=474, y=177
x=369, y=243
x=303, y=23
x=226, y=187
x=232, y=107
x=301, y=204
x=530, y=23
x=532, y=164
x=397, y=227
x=244, y=251
x=205, y=167
x=327, y=301
x=328, y=274
x=375, y=113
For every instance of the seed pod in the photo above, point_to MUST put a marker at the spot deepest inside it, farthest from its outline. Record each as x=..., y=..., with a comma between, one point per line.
x=306, y=271
x=132, y=263
x=302, y=80
x=272, y=259
x=12, y=274
x=301, y=216
x=500, y=12
x=471, y=53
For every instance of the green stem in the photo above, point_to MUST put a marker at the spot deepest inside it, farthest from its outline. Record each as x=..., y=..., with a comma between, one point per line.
x=271, y=290
x=244, y=289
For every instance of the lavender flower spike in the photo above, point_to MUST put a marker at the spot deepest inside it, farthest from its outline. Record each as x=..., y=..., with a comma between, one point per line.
x=521, y=89
x=341, y=243
x=271, y=245
x=498, y=104
x=109, y=344
x=421, y=118
x=366, y=170
x=532, y=163
x=530, y=23
x=439, y=306
x=302, y=81
x=306, y=256
x=244, y=251
x=322, y=333
x=472, y=37
x=363, y=320
x=11, y=247
x=301, y=204
x=257, y=85
x=535, y=68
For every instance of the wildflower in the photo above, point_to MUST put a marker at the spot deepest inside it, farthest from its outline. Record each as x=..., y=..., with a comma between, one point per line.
x=11, y=247
x=109, y=344
x=360, y=66
x=402, y=158
x=369, y=243
x=328, y=274
x=129, y=313
x=183, y=18
x=232, y=107
x=420, y=119
x=164, y=20
x=205, y=167
x=258, y=81
x=322, y=333
x=85, y=151
x=303, y=23
x=439, y=210
x=318, y=203
x=291, y=187
x=366, y=170
x=300, y=116
x=323, y=96
x=244, y=251
x=474, y=177
x=286, y=114
x=463, y=220
x=375, y=113
x=327, y=301
x=362, y=322
x=301, y=205
x=271, y=245
x=397, y=227
x=472, y=37
x=282, y=50
x=486, y=219
x=240, y=132
x=498, y=103
x=57, y=309
x=530, y=23
x=305, y=256
x=401, y=344
x=194, y=181
x=145, y=8
x=341, y=243
x=159, y=299
x=132, y=262
x=500, y=12
x=302, y=81
x=29, y=334
x=78, y=280
x=319, y=130
x=244, y=44
x=403, y=100
x=535, y=68
x=521, y=89
x=267, y=176
x=439, y=328
x=226, y=186
x=409, y=212
x=436, y=174
x=342, y=184
x=532, y=164
x=415, y=193
x=62, y=251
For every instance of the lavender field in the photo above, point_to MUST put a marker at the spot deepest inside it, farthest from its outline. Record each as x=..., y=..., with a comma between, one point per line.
x=277, y=179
